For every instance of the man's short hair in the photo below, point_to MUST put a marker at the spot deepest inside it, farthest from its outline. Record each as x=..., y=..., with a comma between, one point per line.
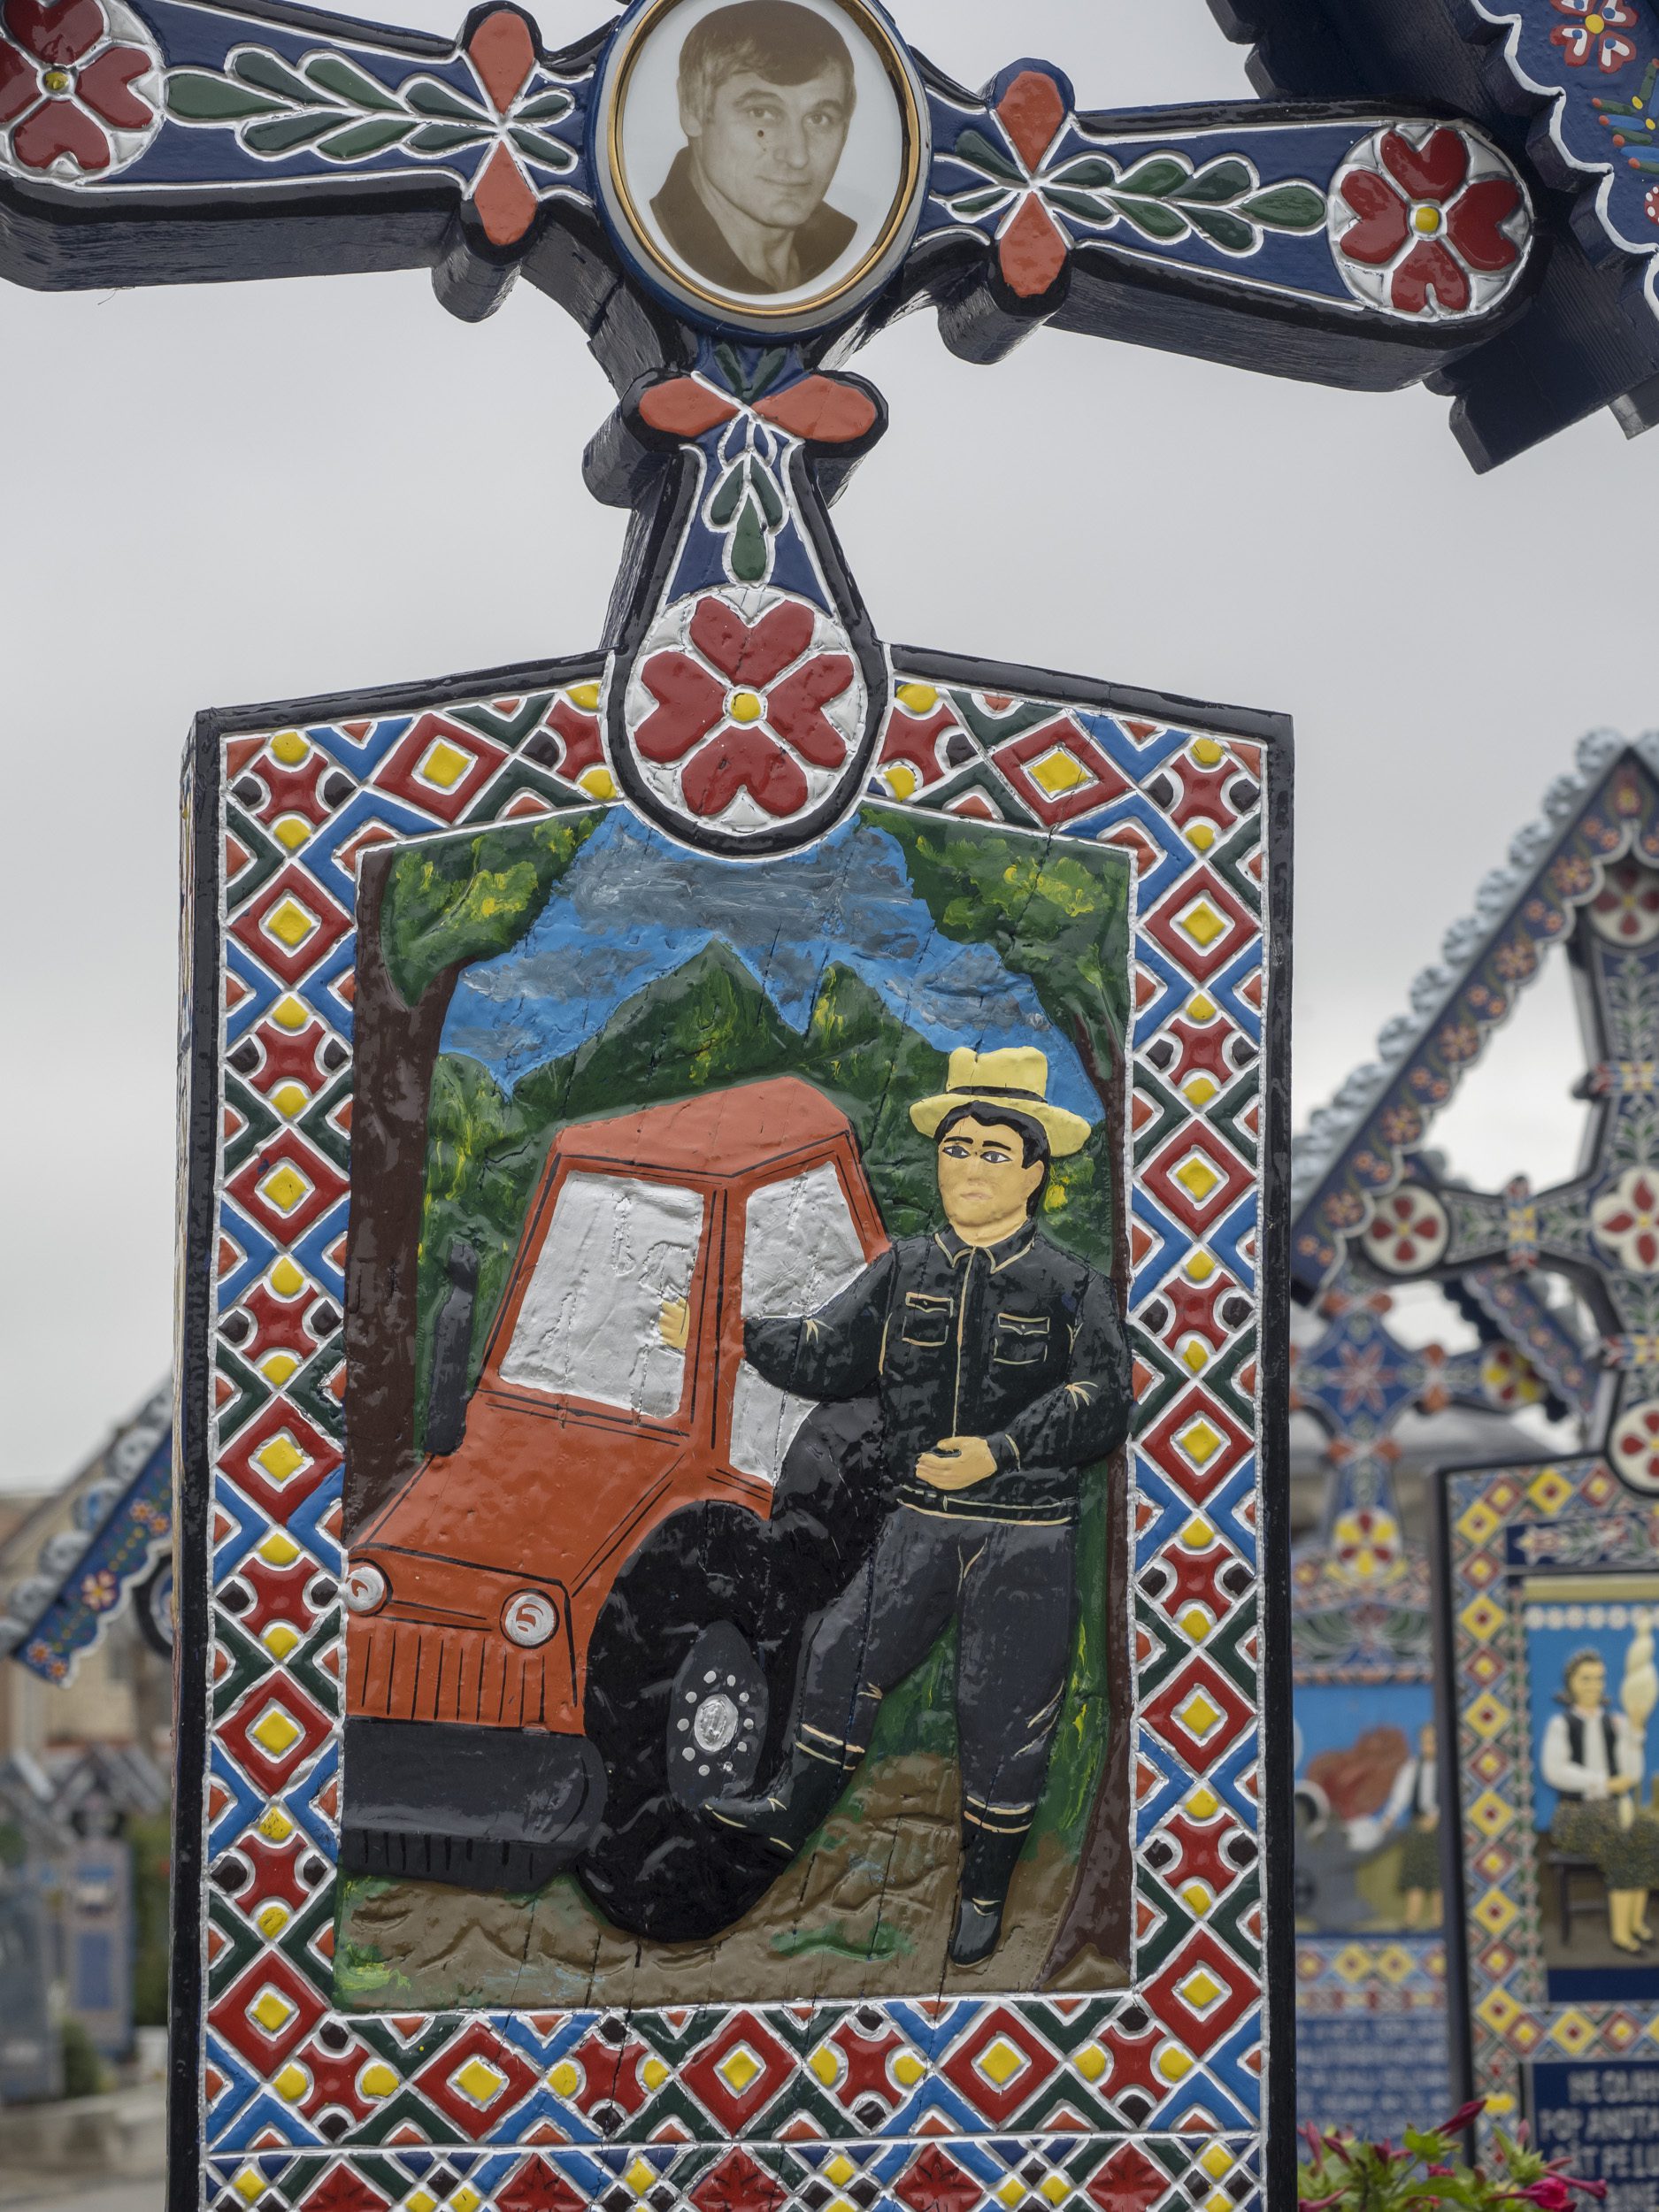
x=1033, y=1137
x=775, y=39
x=1587, y=1655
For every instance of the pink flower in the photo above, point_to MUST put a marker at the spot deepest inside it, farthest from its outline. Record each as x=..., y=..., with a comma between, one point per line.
x=64, y=86
x=1598, y=29
x=1426, y=197
x=745, y=724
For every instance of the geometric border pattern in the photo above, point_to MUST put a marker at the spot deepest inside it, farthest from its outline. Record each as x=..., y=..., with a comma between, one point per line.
x=1145, y=2097
x=1497, y=1526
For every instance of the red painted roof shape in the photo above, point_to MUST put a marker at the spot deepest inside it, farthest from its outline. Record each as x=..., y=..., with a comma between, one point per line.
x=725, y=1135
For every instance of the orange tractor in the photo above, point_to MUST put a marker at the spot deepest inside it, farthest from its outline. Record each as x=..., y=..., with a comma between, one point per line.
x=581, y=1617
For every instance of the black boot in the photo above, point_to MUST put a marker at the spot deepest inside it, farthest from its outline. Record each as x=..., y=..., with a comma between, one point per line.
x=798, y=1801
x=988, y=1859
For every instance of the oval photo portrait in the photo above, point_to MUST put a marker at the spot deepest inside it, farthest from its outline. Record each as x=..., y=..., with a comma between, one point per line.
x=766, y=156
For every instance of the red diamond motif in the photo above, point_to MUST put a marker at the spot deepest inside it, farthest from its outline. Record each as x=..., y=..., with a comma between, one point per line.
x=273, y=1731
x=267, y=2011
x=935, y=2183
x=1059, y=772
x=1201, y=925
x=1196, y=1177
x=280, y=1458
x=1128, y=2182
x=440, y=767
x=539, y=2187
x=291, y=925
x=981, y=2065
x=1197, y=1443
x=737, y=2184
x=740, y=2073
x=1202, y=1994
x=1199, y=1714
x=476, y=2079
x=286, y=1186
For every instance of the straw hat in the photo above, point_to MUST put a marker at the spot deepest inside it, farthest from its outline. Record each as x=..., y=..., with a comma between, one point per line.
x=1016, y=1079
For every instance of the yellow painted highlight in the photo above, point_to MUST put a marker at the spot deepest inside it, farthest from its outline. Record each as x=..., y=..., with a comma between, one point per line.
x=1198, y=1897
x=1056, y=2189
x=1202, y=924
x=285, y=1187
x=479, y=2080
x=465, y=2199
x=640, y=2177
x=738, y=2068
x=1196, y=1356
x=907, y=2068
x=1201, y=1990
x=1000, y=2060
x=1425, y=220
x=277, y=1733
x=1196, y=1623
x=1197, y=1177
x=1201, y=1007
x=291, y=831
x=443, y=764
x=377, y=2081
x=1011, y=2192
x=1058, y=773
x=248, y=2185
x=279, y=1548
x=292, y=2082
x=1217, y=2162
x=1200, y=1441
x=654, y=2073
x=1203, y=1804
x=273, y=2010
x=1199, y=1715
x=280, y=1458
x=1198, y=1090
x=285, y=1278
x=841, y=2171
x=1091, y=2061
x=1200, y=835
x=900, y=779
x=565, y=2079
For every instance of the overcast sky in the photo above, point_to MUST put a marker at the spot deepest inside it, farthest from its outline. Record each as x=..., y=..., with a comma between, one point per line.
x=256, y=492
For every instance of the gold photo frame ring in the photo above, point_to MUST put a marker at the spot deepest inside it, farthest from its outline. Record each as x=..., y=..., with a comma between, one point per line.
x=730, y=310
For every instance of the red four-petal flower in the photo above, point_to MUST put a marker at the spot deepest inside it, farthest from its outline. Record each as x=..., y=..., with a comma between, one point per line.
x=57, y=107
x=1458, y=223
x=729, y=755
x=1599, y=31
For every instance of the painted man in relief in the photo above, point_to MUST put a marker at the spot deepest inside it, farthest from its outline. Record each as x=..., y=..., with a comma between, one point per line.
x=766, y=97
x=1002, y=1371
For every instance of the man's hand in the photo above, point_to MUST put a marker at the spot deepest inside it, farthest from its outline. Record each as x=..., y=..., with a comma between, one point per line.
x=673, y=1322
x=957, y=1464
x=1618, y=1784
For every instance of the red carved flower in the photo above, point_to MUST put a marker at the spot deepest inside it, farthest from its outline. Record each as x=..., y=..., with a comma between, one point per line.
x=1598, y=28
x=740, y=716
x=65, y=84
x=1426, y=202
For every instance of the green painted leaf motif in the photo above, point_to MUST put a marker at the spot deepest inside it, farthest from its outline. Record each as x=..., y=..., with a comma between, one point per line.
x=551, y=106
x=766, y=492
x=1088, y=174
x=749, y=547
x=1089, y=207
x=443, y=138
x=974, y=149
x=1153, y=217
x=768, y=369
x=1292, y=206
x=195, y=95
x=1155, y=177
x=427, y=97
x=284, y=133
x=334, y=73
x=1217, y=183
x=731, y=368
x=1224, y=229
x=358, y=140
x=723, y=506
x=536, y=146
x=271, y=73
x=969, y=206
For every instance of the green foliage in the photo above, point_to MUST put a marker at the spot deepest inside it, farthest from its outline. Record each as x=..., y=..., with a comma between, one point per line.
x=1344, y=2175
x=464, y=899
x=83, y=2069
x=151, y=1842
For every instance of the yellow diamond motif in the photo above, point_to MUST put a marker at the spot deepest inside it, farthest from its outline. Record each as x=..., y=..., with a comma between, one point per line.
x=290, y=922
x=1550, y=1492
x=292, y=2082
x=585, y=695
x=841, y=2171
x=900, y=779
x=275, y=1825
x=1198, y=1535
x=1352, y=1962
x=1482, y=1619
x=654, y=2073
x=640, y=2177
x=465, y=2199
x=1197, y=1898
x=1202, y=924
x=598, y=783
x=1011, y=2193
x=1196, y=1177
x=1217, y=2162
x=285, y=1278
x=739, y=2068
x=279, y=1549
x=479, y=2080
x=276, y=1732
x=1498, y=2010
x=1206, y=752
x=1057, y=772
x=377, y=2081
x=281, y=1458
x=1200, y=1441
x=1490, y=1813
x=443, y=764
x=1485, y=1715
x=1090, y=2061
x=1480, y=1523
x=1196, y=1356
x=276, y=1367
x=288, y=1013
x=564, y=2079
x=1572, y=2031
x=285, y=1187
x=824, y=2063
x=273, y=2010
x=1199, y=1715
x=1198, y=1090
x=292, y=831
x=1201, y=836
x=1199, y=1267
x=1495, y=1913
x=1393, y=1963
x=289, y=1099
x=908, y=2069
x=1000, y=2062
x=249, y=2184
x=1196, y=1623
x=917, y=698
x=422, y=2201
x=1203, y=1803
x=1201, y=1990
x=1056, y=2189
x=1173, y=2062
x=279, y=1638
x=289, y=748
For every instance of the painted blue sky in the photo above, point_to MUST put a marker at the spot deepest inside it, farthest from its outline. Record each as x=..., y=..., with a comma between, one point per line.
x=633, y=907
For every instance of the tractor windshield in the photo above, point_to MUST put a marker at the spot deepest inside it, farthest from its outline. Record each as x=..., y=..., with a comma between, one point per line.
x=799, y=1247
x=605, y=1312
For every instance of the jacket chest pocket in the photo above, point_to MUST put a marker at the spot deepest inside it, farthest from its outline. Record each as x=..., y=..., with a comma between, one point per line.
x=1021, y=1339
x=925, y=1320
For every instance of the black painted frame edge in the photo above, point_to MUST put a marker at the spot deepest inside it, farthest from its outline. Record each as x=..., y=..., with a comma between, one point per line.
x=1272, y=730
x=198, y=1126
x=1459, y=2043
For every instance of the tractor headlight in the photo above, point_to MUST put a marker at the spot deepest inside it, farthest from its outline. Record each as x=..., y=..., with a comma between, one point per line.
x=364, y=1589
x=528, y=1618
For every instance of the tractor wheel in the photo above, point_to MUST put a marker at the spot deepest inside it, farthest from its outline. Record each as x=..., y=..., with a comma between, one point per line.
x=689, y=1681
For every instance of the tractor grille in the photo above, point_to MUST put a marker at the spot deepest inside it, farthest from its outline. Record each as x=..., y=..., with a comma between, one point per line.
x=408, y=1670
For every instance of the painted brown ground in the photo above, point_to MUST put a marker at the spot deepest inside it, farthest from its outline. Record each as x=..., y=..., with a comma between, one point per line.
x=868, y=1912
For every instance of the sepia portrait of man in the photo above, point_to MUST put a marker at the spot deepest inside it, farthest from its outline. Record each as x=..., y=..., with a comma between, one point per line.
x=766, y=99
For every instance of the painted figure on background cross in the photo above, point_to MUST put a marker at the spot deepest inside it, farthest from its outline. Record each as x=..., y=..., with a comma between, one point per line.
x=1002, y=1371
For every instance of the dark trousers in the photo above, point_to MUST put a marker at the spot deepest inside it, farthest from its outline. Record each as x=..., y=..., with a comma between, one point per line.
x=1012, y=1586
